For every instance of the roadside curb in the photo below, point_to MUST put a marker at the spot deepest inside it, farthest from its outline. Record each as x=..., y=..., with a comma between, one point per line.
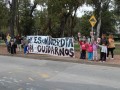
x=62, y=59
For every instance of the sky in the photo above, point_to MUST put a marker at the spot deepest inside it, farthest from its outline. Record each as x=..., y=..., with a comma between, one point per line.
x=80, y=10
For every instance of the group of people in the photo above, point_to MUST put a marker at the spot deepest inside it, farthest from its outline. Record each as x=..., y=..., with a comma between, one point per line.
x=106, y=45
x=87, y=45
x=16, y=44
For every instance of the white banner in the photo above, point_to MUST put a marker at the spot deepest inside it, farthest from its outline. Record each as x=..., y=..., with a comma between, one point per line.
x=51, y=46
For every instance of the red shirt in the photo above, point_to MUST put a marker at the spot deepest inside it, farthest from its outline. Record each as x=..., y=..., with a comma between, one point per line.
x=90, y=48
x=84, y=46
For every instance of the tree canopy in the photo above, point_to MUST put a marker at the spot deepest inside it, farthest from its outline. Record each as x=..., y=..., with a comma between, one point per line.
x=57, y=18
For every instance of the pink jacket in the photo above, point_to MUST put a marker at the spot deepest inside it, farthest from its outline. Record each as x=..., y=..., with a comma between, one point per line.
x=83, y=46
x=90, y=48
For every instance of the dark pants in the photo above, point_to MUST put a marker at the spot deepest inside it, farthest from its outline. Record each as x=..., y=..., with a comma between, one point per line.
x=110, y=50
x=13, y=49
x=25, y=49
x=83, y=54
x=8, y=48
x=103, y=56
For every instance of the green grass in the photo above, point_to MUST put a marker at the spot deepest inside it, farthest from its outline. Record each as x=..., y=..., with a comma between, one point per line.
x=77, y=47
x=2, y=41
x=116, y=51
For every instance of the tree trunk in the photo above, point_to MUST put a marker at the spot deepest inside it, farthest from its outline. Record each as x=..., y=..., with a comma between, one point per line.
x=12, y=19
x=63, y=20
x=98, y=28
x=62, y=27
x=17, y=19
x=73, y=23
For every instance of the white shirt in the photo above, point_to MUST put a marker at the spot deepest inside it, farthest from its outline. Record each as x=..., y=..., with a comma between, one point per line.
x=103, y=48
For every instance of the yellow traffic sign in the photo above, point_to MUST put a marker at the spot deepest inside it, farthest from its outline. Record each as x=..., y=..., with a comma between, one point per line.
x=92, y=20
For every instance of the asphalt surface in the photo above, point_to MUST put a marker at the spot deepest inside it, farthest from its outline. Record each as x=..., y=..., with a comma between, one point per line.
x=113, y=63
x=31, y=74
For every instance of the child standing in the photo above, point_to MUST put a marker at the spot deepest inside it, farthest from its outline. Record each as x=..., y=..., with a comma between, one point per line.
x=103, y=52
x=25, y=46
x=12, y=46
x=95, y=47
x=83, y=51
x=25, y=49
x=90, y=52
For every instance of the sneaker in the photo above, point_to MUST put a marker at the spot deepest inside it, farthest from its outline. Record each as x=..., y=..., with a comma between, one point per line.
x=107, y=57
x=103, y=61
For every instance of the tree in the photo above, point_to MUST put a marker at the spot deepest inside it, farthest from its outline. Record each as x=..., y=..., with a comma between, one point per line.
x=3, y=16
x=83, y=25
x=117, y=7
x=40, y=21
x=59, y=13
x=104, y=16
x=58, y=17
x=26, y=17
x=12, y=16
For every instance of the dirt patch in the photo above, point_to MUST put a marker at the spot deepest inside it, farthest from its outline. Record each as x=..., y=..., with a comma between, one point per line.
x=3, y=51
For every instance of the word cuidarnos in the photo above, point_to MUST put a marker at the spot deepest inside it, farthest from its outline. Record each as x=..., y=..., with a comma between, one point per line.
x=52, y=46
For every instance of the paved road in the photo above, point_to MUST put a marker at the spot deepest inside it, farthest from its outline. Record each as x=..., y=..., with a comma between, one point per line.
x=29, y=74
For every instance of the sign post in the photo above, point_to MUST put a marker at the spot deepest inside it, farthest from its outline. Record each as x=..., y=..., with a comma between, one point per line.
x=92, y=21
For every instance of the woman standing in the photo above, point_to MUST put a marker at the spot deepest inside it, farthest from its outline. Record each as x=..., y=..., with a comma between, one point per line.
x=111, y=46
